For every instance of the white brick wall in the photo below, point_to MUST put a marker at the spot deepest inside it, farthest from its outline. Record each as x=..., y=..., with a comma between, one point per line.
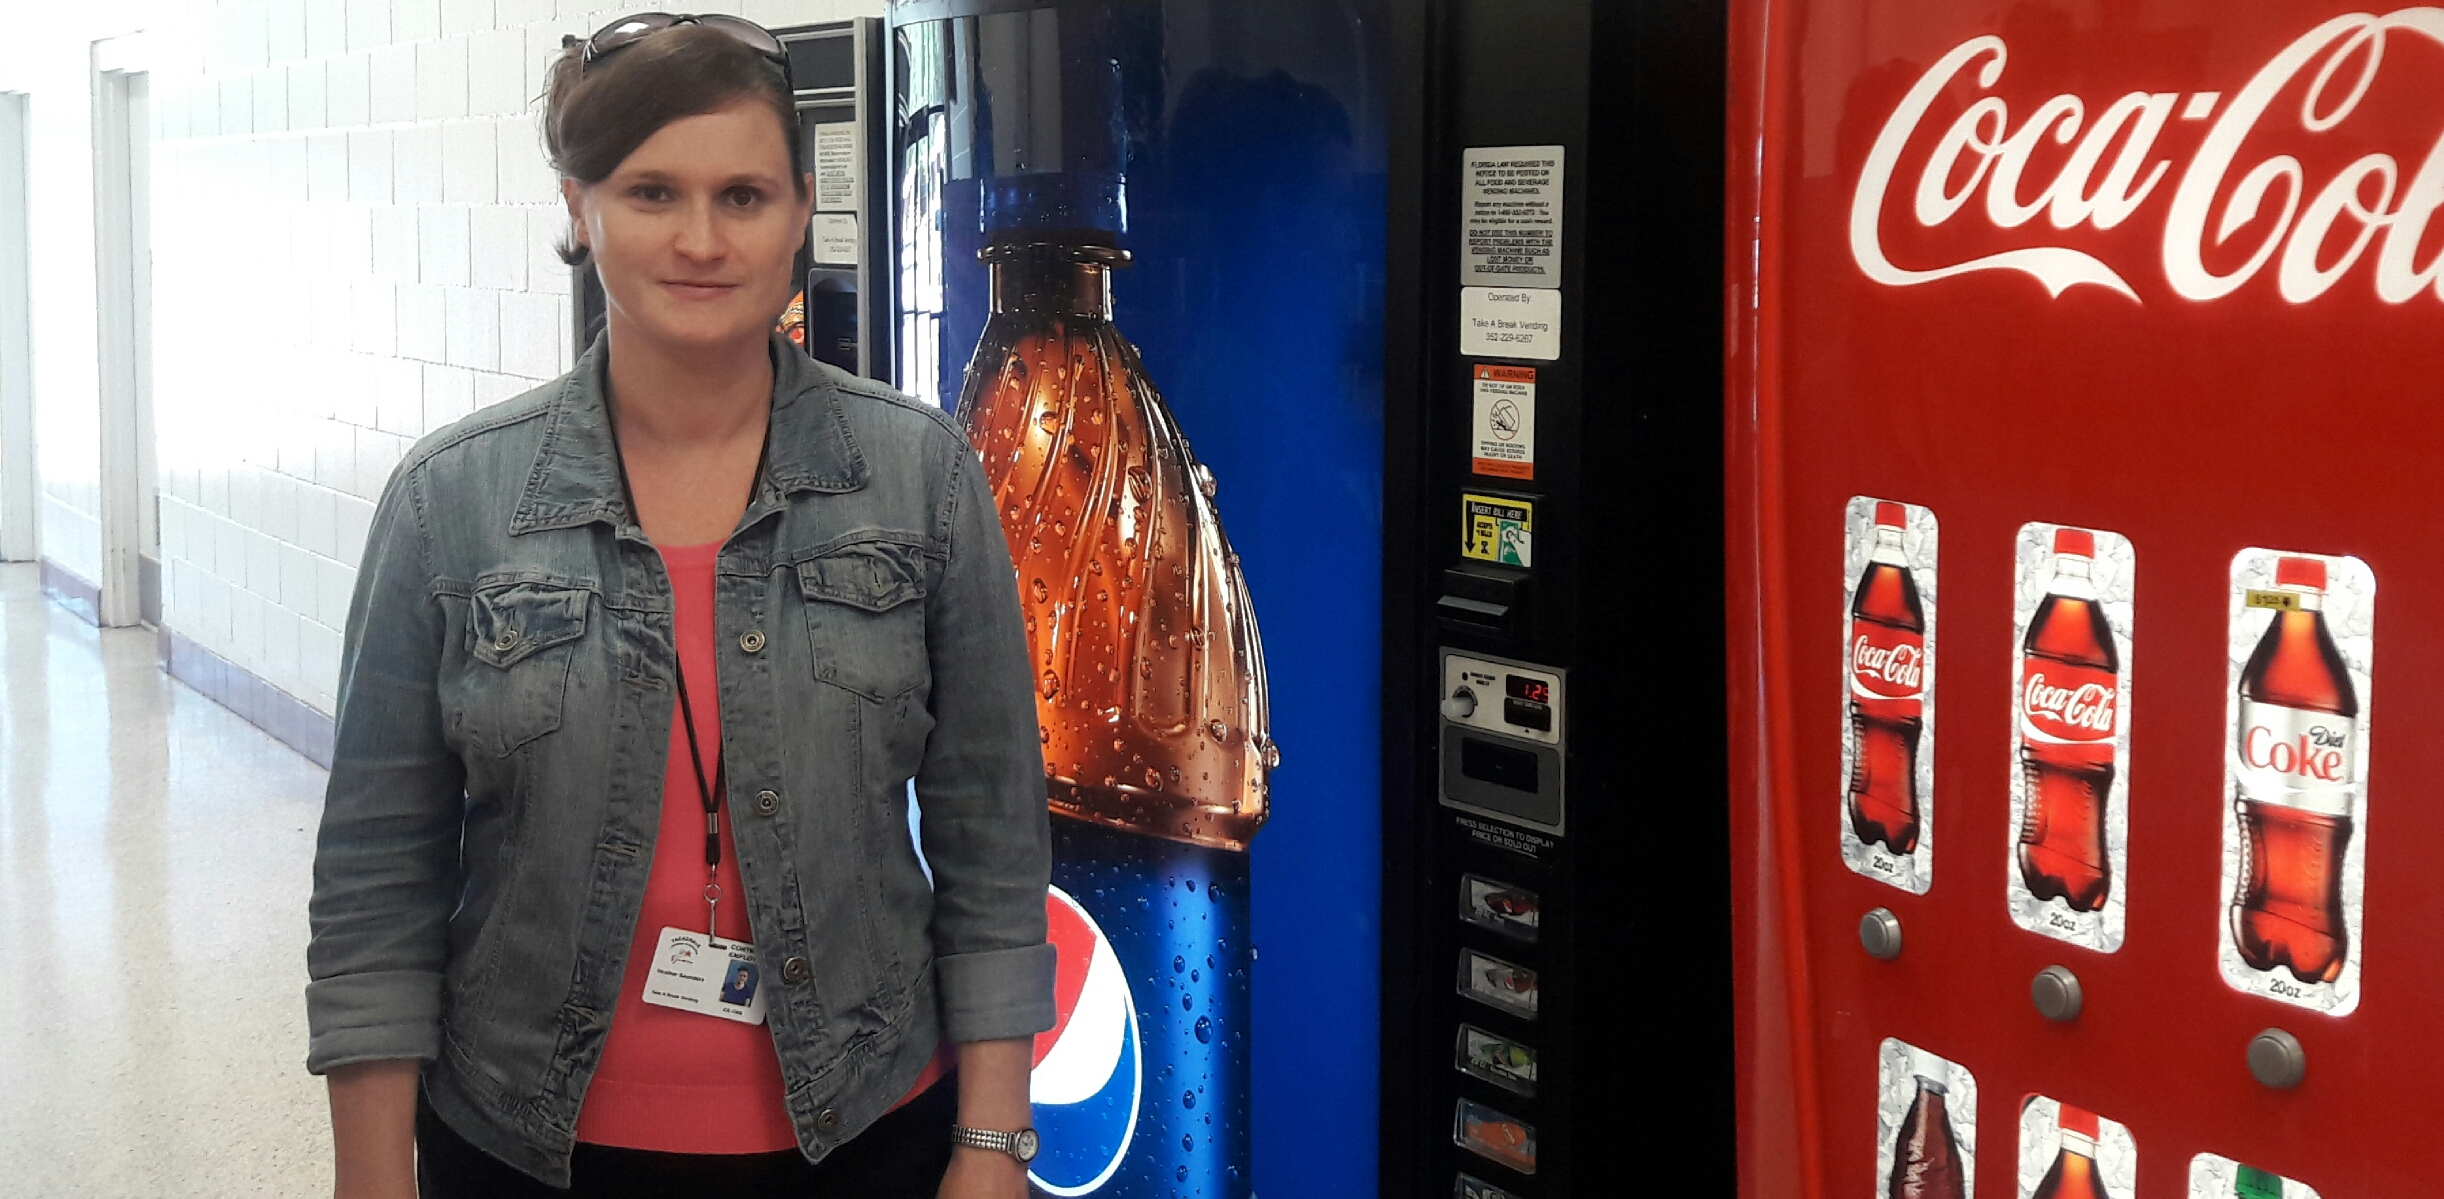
x=352, y=247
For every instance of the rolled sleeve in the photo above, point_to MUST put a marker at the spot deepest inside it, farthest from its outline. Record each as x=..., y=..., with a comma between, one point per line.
x=386, y=860
x=981, y=785
x=996, y=994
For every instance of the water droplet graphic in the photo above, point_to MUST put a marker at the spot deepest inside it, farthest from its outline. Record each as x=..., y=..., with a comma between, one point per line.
x=1205, y=1030
x=1039, y=591
x=1051, y=684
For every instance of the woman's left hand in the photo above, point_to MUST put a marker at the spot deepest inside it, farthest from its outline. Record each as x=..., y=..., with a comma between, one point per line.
x=983, y=1174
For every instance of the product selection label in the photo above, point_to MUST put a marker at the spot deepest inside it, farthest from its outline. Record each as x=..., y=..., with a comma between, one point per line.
x=2070, y=730
x=1888, y=693
x=1503, y=434
x=2213, y=1176
x=2300, y=661
x=1925, y=1124
x=1498, y=529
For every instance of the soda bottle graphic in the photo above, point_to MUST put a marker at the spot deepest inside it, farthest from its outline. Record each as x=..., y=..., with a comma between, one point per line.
x=1150, y=701
x=2249, y=1182
x=1150, y=676
x=2069, y=711
x=1926, y=1156
x=1887, y=690
x=2297, y=763
x=2074, y=1174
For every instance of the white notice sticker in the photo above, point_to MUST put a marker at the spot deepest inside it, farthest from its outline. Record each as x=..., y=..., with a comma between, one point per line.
x=836, y=239
x=1510, y=322
x=1504, y=438
x=836, y=166
x=1510, y=223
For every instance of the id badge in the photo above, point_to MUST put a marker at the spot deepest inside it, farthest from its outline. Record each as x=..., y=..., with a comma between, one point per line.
x=694, y=973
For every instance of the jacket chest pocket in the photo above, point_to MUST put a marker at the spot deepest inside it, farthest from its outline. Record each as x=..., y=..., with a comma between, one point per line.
x=521, y=639
x=865, y=616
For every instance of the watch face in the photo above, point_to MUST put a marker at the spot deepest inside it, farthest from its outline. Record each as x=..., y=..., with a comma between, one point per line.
x=1022, y=1145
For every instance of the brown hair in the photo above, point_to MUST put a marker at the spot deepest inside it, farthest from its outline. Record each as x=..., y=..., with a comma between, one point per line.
x=595, y=116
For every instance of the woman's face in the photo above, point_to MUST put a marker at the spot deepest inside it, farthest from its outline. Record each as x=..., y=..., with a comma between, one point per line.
x=695, y=232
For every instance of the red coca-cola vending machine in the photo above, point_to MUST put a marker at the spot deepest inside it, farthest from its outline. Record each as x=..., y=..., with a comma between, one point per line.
x=2086, y=457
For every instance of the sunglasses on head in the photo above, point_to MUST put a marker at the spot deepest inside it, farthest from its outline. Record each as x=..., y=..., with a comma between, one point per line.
x=636, y=27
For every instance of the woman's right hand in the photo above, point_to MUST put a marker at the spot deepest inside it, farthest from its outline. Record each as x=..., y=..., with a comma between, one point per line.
x=373, y=1130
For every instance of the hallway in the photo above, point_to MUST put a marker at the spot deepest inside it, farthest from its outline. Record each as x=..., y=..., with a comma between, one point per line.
x=155, y=853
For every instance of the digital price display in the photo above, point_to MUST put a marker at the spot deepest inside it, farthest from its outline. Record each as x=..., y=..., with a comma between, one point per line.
x=1527, y=702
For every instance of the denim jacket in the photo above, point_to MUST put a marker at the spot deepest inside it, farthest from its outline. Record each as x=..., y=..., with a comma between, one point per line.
x=504, y=716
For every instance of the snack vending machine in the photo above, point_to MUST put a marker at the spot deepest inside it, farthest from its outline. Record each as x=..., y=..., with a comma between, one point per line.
x=2082, y=414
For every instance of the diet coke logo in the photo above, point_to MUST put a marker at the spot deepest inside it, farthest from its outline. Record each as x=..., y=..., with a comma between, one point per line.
x=2311, y=232
x=2316, y=754
x=2083, y=708
x=1895, y=670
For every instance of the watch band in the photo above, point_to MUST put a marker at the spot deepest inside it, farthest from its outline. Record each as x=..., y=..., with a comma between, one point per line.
x=1020, y=1144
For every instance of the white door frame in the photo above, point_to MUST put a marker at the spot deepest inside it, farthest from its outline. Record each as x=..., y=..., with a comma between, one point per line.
x=20, y=476
x=122, y=262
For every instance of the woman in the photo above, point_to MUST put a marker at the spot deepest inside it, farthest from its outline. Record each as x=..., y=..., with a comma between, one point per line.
x=639, y=667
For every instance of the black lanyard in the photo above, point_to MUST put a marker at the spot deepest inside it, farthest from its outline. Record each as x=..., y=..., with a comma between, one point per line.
x=709, y=793
x=720, y=786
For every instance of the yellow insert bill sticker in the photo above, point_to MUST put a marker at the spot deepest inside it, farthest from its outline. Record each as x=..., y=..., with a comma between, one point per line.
x=1498, y=529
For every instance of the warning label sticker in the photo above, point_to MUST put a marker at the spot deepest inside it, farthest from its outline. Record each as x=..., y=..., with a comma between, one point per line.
x=1498, y=529
x=1504, y=436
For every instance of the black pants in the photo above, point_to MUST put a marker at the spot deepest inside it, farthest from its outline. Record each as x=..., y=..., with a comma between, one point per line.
x=902, y=1156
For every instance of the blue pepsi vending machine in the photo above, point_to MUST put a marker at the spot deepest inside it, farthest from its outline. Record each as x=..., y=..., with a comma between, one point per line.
x=1138, y=250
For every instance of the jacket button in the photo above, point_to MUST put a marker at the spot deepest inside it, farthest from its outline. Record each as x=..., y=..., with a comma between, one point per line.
x=795, y=970
x=507, y=639
x=827, y=1119
x=767, y=802
x=752, y=641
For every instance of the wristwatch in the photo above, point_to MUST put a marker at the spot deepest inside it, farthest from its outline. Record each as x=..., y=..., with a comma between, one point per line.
x=1020, y=1144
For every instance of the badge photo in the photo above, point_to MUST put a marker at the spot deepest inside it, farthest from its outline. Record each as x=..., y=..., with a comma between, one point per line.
x=694, y=973
x=1888, y=693
x=2295, y=814
x=1925, y=1125
x=2070, y=735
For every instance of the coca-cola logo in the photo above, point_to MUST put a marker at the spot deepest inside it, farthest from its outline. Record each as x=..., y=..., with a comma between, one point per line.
x=2318, y=754
x=2082, y=711
x=2311, y=231
x=1897, y=669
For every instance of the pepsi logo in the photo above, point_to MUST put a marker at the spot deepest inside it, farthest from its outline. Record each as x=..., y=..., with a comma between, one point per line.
x=1087, y=1081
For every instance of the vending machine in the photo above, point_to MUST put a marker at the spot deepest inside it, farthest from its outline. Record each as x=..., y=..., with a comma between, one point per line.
x=1557, y=981
x=2081, y=418
x=1138, y=250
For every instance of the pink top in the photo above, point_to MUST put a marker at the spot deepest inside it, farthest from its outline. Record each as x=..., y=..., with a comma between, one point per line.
x=674, y=1081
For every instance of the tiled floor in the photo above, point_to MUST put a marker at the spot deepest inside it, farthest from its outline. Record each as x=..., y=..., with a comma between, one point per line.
x=155, y=853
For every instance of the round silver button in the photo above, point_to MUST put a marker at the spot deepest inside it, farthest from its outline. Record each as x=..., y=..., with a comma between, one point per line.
x=1879, y=933
x=767, y=802
x=827, y=1119
x=508, y=638
x=2055, y=991
x=752, y=641
x=796, y=970
x=2277, y=1059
